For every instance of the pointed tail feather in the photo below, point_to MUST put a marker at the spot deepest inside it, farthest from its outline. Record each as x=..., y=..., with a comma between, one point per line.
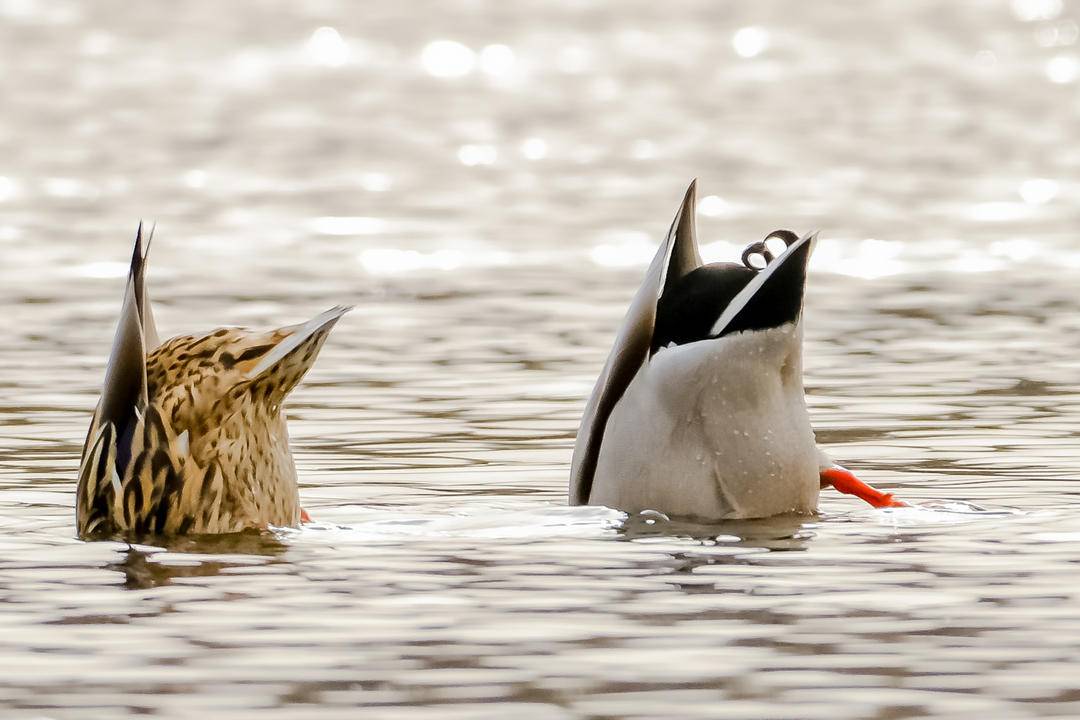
x=675, y=257
x=284, y=366
x=774, y=296
x=300, y=334
x=138, y=272
x=125, y=389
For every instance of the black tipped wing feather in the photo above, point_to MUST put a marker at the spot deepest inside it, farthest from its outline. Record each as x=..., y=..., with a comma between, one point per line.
x=675, y=257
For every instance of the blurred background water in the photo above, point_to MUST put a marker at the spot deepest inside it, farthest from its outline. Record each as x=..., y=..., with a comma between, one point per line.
x=486, y=181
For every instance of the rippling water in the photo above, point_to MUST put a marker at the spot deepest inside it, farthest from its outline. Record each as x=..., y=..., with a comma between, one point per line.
x=486, y=181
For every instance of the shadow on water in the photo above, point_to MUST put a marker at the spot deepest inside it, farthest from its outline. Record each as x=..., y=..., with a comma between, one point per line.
x=780, y=533
x=149, y=566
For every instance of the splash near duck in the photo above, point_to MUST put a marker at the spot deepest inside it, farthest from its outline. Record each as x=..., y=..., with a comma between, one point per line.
x=189, y=436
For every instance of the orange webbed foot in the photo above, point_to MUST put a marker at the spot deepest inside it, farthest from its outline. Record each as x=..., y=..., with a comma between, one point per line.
x=845, y=481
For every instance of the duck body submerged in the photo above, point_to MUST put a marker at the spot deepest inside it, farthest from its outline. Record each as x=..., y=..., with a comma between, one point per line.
x=706, y=432
x=700, y=410
x=189, y=435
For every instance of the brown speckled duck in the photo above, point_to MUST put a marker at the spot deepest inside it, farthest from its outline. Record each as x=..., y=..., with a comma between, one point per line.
x=188, y=436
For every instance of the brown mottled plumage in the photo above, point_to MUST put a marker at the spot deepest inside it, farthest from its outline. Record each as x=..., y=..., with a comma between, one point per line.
x=188, y=436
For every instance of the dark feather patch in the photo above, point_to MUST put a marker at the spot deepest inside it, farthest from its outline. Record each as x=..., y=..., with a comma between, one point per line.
x=687, y=311
x=254, y=352
x=134, y=486
x=103, y=473
x=207, y=481
x=779, y=301
x=161, y=512
x=124, y=438
x=161, y=462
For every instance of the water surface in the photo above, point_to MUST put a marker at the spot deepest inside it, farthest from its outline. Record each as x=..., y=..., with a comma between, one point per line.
x=489, y=203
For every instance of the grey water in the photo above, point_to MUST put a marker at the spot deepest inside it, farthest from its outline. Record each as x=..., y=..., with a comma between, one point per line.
x=486, y=182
